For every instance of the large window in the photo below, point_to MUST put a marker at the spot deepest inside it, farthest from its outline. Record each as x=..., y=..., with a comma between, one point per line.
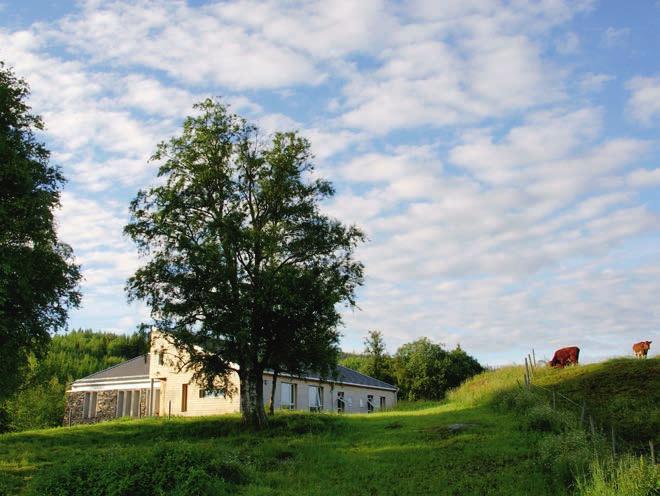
x=315, y=398
x=89, y=405
x=383, y=403
x=288, y=396
x=212, y=393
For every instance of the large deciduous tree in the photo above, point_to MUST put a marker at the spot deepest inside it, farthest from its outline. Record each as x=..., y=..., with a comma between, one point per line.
x=38, y=278
x=242, y=271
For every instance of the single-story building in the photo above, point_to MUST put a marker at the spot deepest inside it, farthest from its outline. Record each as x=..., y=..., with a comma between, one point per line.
x=153, y=385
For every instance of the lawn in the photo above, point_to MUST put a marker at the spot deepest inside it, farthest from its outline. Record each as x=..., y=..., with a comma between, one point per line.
x=411, y=450
x=398, y=452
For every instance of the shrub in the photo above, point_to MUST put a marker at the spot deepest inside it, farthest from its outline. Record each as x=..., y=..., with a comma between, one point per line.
x=566, y=454
x=180, y=470
x=627, y=476
x=543, y=418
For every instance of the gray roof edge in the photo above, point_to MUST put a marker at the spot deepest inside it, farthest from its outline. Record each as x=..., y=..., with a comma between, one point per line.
x=95, y=375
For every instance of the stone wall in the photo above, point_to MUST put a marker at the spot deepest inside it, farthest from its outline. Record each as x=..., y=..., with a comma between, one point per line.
x=106, y=406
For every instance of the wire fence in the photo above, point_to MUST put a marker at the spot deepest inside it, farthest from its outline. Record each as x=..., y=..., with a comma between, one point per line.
x=588, y=420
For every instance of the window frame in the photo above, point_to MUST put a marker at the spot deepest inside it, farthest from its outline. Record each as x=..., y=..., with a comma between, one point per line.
x=293, y=389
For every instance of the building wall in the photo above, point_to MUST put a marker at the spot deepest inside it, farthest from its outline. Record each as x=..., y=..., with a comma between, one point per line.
x=106, y=406
x=355, y=397
x=172, y=377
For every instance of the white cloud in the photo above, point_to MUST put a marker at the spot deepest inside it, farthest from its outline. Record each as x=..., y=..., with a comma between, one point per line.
x=594, y=82
x=568, y=44
x=615, y=36
x=644, y=102
x=644, y=178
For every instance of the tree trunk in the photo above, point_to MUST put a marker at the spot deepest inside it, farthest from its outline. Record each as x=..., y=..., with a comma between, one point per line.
x=252, y=399
x=271, y=407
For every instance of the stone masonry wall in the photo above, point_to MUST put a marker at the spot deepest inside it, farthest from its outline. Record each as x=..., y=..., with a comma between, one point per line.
x=106, y=406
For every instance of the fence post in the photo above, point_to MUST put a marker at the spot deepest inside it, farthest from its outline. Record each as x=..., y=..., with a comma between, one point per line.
x=70, y=418
x=169, y=409
x=531, y=364
x=591, y=425
x=534, y=357
x=527, y=371
x=652, y=452
x=584, y=404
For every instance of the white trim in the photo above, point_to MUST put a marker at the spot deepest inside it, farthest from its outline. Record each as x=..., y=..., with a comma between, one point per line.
x=121, y=378
x=146, y=384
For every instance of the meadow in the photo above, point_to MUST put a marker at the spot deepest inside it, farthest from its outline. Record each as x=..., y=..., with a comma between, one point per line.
x=489, y=437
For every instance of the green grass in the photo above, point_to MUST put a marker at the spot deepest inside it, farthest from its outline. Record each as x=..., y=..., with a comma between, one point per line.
x=506, y=449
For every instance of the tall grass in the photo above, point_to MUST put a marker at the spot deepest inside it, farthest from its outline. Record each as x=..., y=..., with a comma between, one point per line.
x=626, y=476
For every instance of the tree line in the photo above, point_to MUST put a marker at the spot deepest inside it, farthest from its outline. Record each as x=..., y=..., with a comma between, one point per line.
x=39, y=400
x=421, y=369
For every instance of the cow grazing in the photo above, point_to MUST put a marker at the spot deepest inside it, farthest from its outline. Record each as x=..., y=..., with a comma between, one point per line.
x=565, y=356
x=641, y=349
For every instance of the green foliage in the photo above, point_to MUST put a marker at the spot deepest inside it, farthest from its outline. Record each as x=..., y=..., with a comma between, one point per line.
x=241, y=261
x=39, y=401
x=399, y=453
x=542, y=417
x=38, y=279
x=424, y=370
x=627, y=476
x=566, y=454
x=163, y=469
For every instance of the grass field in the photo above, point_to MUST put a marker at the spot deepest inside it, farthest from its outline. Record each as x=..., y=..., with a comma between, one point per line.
x=411, y=450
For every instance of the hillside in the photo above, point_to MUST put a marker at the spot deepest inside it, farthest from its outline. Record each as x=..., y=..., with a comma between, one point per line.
x=417, y=449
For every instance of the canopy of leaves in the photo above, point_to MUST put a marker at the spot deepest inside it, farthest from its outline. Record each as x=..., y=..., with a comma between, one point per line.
x=38, y=279
x=241, y=262
x=424, y=370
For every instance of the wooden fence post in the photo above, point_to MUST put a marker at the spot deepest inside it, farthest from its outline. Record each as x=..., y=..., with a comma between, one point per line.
x=527, y=371
x=70, y=417
x=169, y=410
x=584, y=404
x=591, y=425
x=534, y=357
x=652, y=452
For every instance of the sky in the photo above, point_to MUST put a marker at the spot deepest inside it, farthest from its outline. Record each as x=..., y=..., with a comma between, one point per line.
x=503, y=157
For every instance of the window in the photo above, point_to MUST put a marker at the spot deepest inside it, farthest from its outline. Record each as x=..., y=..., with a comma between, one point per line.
x=315, y=398
x=161, y=358
x=89, y=405
x=212, y=393
x=383, y=403
x=288, y=396
x=370, y=403
x=341, y=403
x=184, y=398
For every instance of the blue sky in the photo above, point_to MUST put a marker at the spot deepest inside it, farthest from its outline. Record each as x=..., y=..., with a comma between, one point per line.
x=502, y=156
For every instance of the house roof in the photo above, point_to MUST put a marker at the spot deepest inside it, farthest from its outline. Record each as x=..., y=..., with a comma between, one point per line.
x=135, y=367
x=139, y=367
x=349, y=376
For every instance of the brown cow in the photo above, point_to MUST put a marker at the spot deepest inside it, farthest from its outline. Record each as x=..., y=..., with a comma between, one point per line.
x=641, y=349
x=565, y=356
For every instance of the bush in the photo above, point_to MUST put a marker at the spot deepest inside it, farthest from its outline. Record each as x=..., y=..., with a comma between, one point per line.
x=543, y=418
x=179, y=470
x=627, y=476
x=566, y=455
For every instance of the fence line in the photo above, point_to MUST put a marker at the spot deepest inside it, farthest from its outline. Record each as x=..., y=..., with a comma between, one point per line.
x=531, y=365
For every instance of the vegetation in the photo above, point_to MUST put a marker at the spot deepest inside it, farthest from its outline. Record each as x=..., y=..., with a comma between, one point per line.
x=38, y=279
x=489, y=438
x=422, y=370
x=242, y=263
x=39, y=402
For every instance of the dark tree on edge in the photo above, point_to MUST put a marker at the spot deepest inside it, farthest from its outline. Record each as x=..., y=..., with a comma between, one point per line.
x=244, y=272
x=38, y=279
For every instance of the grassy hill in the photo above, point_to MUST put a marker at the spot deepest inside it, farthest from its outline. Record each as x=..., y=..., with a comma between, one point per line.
x=416, y=449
